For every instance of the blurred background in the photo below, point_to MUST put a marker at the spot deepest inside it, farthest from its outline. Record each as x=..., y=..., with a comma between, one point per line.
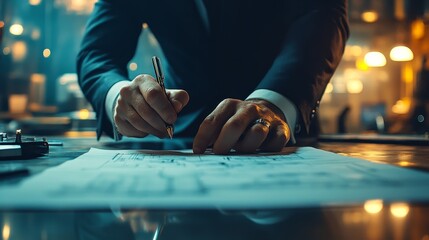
x=381, y=86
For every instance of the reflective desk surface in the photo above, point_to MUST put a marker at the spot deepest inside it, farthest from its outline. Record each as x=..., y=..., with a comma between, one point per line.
x=373, y=219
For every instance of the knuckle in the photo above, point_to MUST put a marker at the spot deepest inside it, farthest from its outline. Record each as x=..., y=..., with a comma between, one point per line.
x=251, y=109
x=228, y=101
x=116, y=117
x=121, y=102
x=235, y=123
x=140, y=78
x=266, y=111
x=151, y=93
x=210, y=121
x=125, y=91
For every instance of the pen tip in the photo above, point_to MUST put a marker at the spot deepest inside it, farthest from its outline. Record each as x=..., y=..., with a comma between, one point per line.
x=170, y=132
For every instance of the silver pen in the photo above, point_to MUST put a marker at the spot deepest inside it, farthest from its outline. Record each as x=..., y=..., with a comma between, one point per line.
x=159, y=74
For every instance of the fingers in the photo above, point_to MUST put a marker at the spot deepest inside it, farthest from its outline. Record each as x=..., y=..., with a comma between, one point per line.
x=232, y=126
x=253, y=138
x=128, y=120
x=126, y=129
x=211, y=126
x=279, y=137
x=179, y=98
x=156, y=98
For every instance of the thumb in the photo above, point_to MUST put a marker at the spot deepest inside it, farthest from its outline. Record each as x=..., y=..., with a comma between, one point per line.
x=179, y=98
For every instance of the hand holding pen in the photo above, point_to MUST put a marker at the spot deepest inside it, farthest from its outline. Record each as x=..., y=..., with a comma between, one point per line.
x=145, y=107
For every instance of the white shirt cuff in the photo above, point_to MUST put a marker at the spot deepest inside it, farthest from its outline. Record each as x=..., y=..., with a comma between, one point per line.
x=285, y=105
x=111, y=98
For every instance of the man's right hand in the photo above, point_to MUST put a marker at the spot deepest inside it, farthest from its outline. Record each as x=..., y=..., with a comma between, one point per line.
x=143, y=108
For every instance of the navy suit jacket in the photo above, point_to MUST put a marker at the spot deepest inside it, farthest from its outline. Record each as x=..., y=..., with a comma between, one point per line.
x=288, y=46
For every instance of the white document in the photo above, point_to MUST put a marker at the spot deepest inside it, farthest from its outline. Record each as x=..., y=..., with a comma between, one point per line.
x=297, y=177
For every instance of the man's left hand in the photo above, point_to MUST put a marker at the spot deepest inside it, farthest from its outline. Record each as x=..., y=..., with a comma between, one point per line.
x=244, y=126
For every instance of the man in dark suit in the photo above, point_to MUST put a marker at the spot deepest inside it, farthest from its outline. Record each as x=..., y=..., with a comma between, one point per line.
x=246, y=73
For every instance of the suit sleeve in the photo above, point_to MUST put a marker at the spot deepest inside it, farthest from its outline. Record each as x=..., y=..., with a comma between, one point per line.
x=310, y=53
x=108, y=45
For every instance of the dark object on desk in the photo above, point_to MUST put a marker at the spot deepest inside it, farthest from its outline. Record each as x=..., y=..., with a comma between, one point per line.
x=422, y=85
x=22, y=148
x=417, y=140
x=342, y=119
x=13, y=170
x=419, y=114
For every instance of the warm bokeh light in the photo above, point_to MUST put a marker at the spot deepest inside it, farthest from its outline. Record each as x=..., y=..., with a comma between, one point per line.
x=354, y=86
x=407, y=73
x=19, y=51
x=351, y=52
x=37, y=92
x=133, y=66
x=373, y=206
x=1, y=24
x=145, y=25
x=34, y=2
x=351, y=73
x=16, y=29
x=37, y=78
x=361, y=65
x=6, y=232
x=383, y=75
x=339, y=84
x=401, y=54
x=329, y=88
x=399, y=210
x=375, y=59
x=418, y=29
x=84, y=114
x=6, y=50
x=356, y=50
x=79, y=134
x=404, y=163
x=401, y=106
x=354, y=217
x=46, y=53
x=77, y=6
x=35, y=34
x=369, y=16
